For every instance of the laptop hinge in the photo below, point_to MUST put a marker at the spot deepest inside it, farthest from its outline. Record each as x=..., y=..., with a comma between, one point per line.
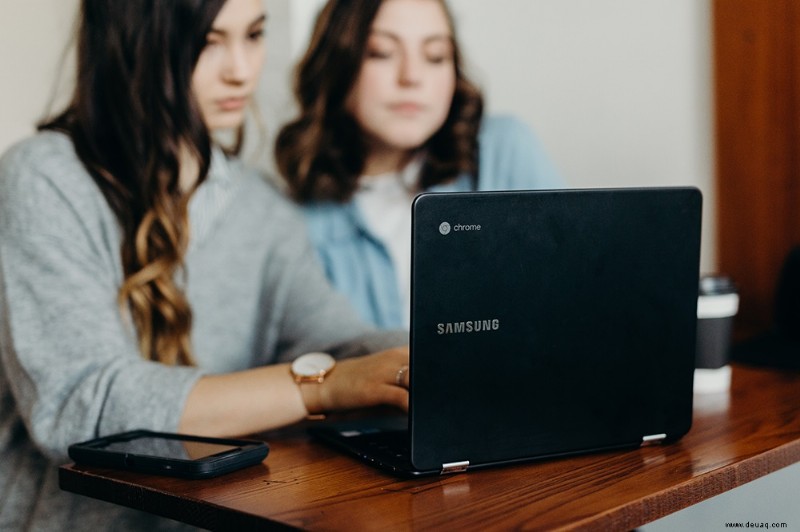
x=653, y=439
x=454, y=467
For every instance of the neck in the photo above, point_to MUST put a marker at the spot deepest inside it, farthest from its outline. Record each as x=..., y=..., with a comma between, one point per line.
x=383, y=161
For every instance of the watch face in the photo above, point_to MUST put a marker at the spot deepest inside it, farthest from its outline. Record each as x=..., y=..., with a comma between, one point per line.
x=313, y=364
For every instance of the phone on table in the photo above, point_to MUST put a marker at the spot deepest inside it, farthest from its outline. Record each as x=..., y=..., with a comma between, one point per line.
x=163, y=453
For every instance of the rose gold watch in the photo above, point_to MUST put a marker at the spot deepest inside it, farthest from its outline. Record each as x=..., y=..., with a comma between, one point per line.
x=312, y=368
x=308, y=371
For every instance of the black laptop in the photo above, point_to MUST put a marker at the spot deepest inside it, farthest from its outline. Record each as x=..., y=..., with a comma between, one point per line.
x=543, y=324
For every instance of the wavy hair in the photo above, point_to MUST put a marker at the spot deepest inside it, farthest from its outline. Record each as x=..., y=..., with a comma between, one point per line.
x=321, y=154
x=132, y=118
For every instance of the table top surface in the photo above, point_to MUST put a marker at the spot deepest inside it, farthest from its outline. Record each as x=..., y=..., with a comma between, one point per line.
x=736, y=437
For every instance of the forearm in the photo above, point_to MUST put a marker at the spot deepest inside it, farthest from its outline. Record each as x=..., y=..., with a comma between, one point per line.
x=244, y=402
x=264, y=398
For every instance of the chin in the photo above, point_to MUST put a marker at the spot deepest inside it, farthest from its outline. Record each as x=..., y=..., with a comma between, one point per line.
x=409, y=143
x=225, y=122
x=407, y=140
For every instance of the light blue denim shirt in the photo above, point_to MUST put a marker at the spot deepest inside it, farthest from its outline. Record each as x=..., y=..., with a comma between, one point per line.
x=359, y=265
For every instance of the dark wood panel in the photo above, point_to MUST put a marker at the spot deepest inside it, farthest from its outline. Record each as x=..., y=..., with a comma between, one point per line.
x=735, y=439
x=757, y=88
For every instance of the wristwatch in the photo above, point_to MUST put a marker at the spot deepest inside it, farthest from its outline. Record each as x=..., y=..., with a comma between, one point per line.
x=312, y=367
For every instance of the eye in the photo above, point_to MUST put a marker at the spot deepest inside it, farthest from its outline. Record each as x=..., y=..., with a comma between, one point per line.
x=439, y=52
x=257, y=35
x=212, y=40
x=375, y=53
x=379, y=47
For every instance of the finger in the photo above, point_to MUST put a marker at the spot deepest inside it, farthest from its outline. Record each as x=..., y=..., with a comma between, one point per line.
x=401, y=377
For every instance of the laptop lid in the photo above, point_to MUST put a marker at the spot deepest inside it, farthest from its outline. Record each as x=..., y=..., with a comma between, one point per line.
x=548, y=323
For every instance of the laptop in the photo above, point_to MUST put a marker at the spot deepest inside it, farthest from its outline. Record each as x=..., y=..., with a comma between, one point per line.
x=543, y=324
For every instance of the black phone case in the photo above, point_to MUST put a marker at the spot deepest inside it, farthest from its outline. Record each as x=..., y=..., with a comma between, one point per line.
x=92, y=452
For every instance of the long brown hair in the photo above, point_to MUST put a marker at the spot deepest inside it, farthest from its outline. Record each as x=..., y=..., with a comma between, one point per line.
x=321, y=154
x=131, y=116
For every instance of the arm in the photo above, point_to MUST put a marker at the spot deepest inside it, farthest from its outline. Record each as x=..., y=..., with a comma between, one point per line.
x=303, y=314
x=307, y=313
x=70, y=361
x=69, y=391
x=263, y=398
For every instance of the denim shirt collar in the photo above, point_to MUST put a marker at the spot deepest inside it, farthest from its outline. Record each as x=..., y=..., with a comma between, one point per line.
x=333, y=222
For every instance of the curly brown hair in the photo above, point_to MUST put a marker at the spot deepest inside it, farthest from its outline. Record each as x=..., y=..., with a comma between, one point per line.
x=322, y=153
x=131, y=117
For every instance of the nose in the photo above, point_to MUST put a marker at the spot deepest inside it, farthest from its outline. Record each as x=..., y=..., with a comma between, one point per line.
x=237, y=65
x=410, y=70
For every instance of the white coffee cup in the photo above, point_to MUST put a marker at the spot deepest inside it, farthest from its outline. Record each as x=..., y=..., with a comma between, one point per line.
x=717, y=305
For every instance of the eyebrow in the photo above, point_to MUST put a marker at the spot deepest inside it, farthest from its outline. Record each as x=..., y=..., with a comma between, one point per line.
x=438, y=37
x=255, y=22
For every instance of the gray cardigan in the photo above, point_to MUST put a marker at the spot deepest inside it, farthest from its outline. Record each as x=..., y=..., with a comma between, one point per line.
x=70, y=369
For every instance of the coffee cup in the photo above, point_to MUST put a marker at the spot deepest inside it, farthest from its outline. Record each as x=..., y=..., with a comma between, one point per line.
x=717, y=305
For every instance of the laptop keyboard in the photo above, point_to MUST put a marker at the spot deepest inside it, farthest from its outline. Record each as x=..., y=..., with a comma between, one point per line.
x=392, y=445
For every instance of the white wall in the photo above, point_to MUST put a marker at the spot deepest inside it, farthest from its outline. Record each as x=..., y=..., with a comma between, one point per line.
x=618, y=90
x=33, y=37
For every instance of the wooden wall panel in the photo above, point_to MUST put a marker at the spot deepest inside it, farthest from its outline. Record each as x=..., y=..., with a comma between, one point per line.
x=757, y=95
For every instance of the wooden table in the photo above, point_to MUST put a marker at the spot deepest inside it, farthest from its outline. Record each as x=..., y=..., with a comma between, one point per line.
x=735, y=438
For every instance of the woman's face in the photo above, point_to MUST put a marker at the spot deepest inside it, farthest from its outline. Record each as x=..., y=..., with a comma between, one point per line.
x=403, y=92
x=229, y=66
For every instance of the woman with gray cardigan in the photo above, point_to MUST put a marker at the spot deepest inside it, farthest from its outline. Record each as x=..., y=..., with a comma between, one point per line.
x=147, y=278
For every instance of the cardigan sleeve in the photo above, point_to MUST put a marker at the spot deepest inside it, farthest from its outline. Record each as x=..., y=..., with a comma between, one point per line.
x=313, y=316
x=70, y=359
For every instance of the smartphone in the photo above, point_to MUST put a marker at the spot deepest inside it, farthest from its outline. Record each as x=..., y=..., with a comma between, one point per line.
x=163, y=453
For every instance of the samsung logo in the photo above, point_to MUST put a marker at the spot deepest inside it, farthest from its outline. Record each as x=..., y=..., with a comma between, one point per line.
x=460, y=327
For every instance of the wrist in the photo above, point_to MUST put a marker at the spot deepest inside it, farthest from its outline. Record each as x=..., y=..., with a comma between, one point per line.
x=309, y=372
x=310, y=394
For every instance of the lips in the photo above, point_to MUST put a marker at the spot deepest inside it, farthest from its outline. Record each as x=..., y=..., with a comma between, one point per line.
x=232, y=104
x=406, y=108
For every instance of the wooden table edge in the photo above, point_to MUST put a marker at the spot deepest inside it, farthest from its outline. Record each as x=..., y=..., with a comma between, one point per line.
x=715, y=482
x=184, y=509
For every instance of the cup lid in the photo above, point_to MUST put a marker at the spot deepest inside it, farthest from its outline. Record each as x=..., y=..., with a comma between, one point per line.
x=716, y=284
